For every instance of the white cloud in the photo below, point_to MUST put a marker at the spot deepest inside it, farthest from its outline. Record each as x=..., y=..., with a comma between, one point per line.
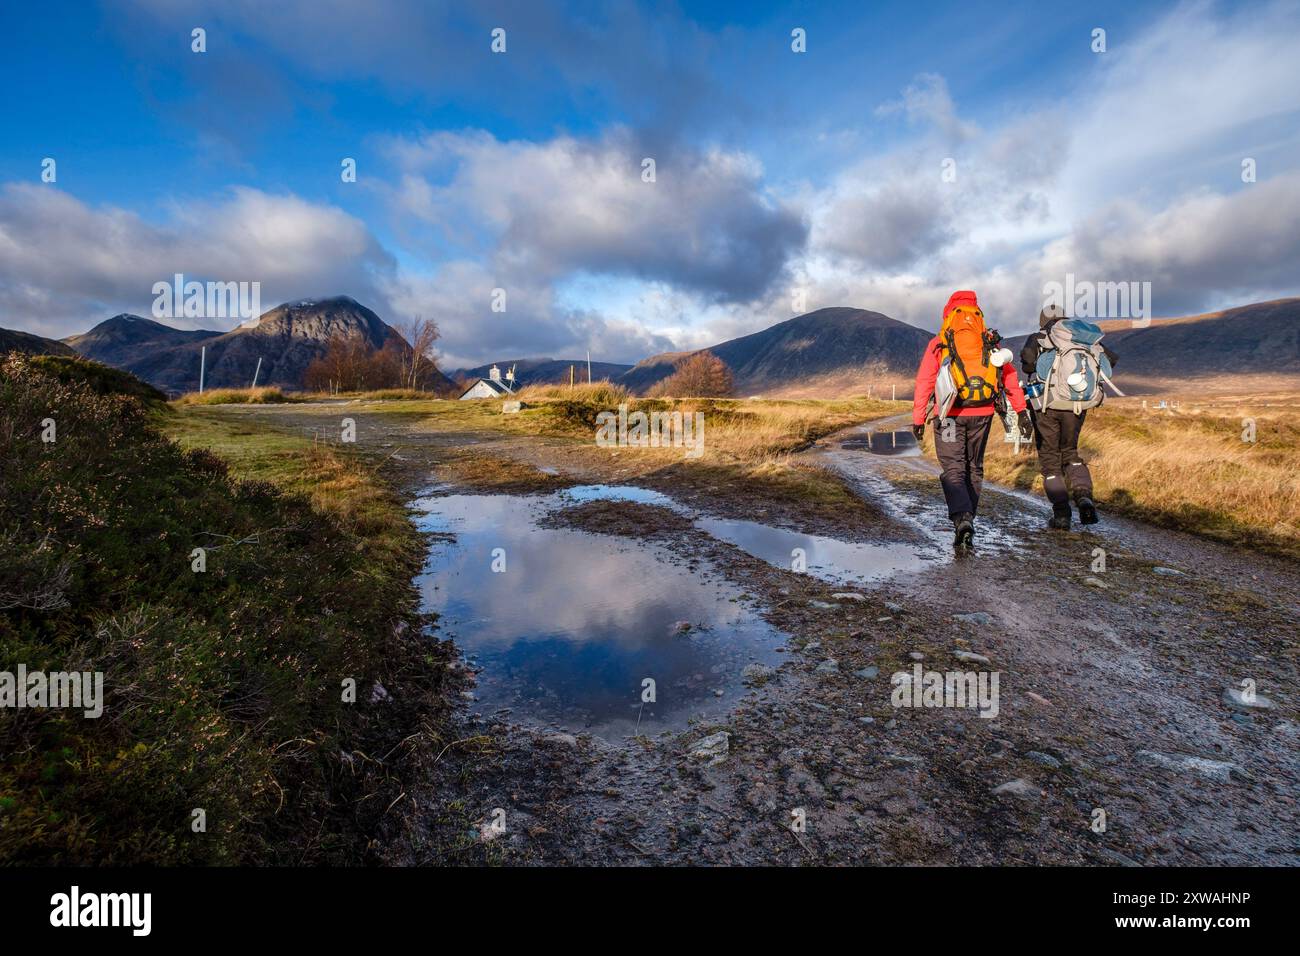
x=459, y=295
x=1178, y=107
x=1135, y=176
x=1132, y=175
x=927, y=101
x=66, y=265
x=569, y=205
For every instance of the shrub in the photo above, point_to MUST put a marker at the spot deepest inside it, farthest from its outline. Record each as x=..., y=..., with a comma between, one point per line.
x=100, y=379
x=701, y=375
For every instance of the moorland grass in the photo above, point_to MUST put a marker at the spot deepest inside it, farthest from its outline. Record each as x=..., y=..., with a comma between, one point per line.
x=1187, y=470
x=224, y=689
x=266, y=395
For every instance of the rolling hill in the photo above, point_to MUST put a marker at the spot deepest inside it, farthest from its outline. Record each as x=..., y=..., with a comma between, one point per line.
x=125, y=340
x=843, y=351
x=1261, y=338
x=822, y=354
x=11, y=340
x=1220, y=350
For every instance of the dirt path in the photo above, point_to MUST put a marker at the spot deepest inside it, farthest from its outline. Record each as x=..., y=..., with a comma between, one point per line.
x=1135, y=661
x=1111, y=697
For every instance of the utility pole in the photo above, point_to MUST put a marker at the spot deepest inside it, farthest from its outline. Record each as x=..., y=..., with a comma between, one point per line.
x=588, y=366
x=203, y=364
x=257, y=370
x=570, y=376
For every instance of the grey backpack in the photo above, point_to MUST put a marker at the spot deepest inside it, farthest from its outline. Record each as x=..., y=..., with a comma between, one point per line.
x=1073, y=366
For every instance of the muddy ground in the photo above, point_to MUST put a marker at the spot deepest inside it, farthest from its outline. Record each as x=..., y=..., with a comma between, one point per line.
x=1111, y=688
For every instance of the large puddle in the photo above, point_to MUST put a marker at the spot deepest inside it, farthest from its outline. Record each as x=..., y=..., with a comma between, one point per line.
x=840, y=562
x=572, y=624
x=833, y=560
x=566, y=626
x=895, y=442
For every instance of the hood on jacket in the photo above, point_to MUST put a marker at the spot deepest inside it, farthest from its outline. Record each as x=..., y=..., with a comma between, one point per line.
x=961, y=297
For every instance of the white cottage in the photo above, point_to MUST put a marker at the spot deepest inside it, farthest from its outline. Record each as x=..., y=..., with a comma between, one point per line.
x=491, y=387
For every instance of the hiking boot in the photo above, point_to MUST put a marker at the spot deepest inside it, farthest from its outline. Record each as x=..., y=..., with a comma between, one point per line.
x=964, y=525
x=1060, y=520
x=1087, y=511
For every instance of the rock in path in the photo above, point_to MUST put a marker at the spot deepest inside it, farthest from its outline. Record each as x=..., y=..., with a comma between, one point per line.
x=713, y=748
x=1219, y=770
x=827, y=667
x=1020, y=788
x=1047, y=760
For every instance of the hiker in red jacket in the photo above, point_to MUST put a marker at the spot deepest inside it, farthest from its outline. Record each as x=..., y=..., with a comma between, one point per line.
x=961, y=376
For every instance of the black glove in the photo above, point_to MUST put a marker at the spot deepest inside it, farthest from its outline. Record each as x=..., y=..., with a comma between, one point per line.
x=919, y=432
x=1026, y=425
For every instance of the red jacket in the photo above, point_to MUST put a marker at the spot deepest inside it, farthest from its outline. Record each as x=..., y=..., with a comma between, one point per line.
x=929, y=371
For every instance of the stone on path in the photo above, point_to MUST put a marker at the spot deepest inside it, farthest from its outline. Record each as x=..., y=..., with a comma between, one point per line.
x=713, y=748
x=1020, y=789
x=1219, y=770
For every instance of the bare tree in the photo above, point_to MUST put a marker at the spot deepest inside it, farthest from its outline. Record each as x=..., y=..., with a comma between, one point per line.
x=419, y=363
x=353, y=365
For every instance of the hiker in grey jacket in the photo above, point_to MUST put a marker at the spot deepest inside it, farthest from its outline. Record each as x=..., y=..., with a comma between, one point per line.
x=1056, y=434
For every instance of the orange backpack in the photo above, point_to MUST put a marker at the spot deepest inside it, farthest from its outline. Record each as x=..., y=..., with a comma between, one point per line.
x=964, y=339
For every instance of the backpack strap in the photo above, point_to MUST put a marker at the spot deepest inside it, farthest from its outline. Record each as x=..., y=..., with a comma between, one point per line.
x=951, y=342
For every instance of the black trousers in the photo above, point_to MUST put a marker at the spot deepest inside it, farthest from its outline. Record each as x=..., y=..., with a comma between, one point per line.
x=1056, y=433
x=960, y=443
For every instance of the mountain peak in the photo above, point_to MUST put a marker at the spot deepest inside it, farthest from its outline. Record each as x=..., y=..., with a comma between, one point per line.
x=823, y=353
x=285, y=340
x=125, y=332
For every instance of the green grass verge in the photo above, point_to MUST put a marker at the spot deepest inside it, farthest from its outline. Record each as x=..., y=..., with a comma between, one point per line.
x=224, y=689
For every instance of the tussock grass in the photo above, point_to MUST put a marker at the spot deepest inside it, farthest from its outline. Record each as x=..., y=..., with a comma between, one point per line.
x=765, y=430
x=1188, y=470
x=269, y=395
x=602, y=392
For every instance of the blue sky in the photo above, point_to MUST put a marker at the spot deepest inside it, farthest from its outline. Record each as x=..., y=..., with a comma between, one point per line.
x=817, y=173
